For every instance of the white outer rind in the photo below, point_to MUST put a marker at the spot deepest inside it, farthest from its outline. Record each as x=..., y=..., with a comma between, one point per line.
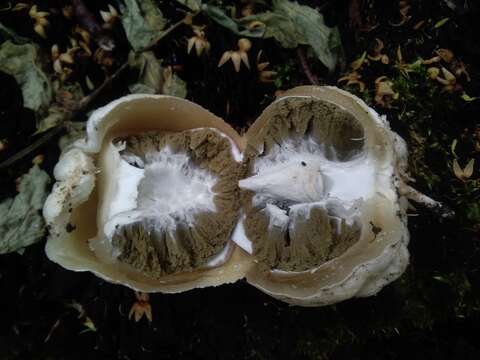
x=75, y=177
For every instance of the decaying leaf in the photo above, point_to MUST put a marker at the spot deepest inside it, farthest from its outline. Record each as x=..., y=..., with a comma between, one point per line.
x=21, y=61
x=237, y=27
x=143, y=22
x=173, y=84
x=67, y=98
x=150, y=78
x=194, y=5
x=21, y=223
x=384, y=92
x=153, y=78
x=353, y=79
x=324, y=41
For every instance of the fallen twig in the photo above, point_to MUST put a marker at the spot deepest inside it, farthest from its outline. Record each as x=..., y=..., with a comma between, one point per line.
x=306, y=69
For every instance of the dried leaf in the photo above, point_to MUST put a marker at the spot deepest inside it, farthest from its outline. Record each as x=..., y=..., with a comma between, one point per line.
x=55, y=116
x=465, y=173
x=21, y=223
x=21, y=61
x=457, y=170
x=143, y=22
x=468, y=170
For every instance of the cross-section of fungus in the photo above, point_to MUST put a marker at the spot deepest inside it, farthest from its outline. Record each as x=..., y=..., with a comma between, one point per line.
x=308, y=175
x=309, y=206
x=169, y=203
x=149, y=198
x=323, y=217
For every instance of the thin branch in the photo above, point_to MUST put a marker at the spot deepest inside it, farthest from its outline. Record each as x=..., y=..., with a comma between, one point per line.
x=85, y=102
x=187, y=19
x=306, y=69
x=32, y=147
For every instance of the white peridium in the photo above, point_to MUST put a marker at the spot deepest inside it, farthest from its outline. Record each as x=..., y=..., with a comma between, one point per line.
x=239, y=236
x=169, y=188
x=236, y=153
x=299, y=172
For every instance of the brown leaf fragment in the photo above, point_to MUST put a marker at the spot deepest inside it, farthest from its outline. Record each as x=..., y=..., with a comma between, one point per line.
x=141, y=307
x=466, y=172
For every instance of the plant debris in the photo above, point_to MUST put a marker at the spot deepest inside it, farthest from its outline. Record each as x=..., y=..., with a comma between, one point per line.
x=21, y=223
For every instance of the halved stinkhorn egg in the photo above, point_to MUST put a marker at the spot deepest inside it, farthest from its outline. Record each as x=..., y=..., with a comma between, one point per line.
x=322, y=215
x=309, y=206
x=149, y=198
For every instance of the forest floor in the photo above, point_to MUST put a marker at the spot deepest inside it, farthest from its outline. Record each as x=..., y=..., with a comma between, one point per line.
x=417, y=62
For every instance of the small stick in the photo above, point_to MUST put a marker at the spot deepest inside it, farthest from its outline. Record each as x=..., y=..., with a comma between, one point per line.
x=85, y=102
x=306, y=69
x=30, y=148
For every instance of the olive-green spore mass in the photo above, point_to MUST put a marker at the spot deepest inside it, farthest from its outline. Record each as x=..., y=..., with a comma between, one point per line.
x=310, y=234
x=187, y=238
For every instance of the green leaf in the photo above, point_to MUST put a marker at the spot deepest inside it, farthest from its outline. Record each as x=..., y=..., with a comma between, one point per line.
x=58, y=113
x=21, y=223
x=291, y=25
x=9, y=34
x=277, y=26
x=441, y=22
x=153, y=78
x=143, y=22
x=309, y=23
x=194, y=5
x=21, y=61
x=150, y=77
x=468, y=98
x=237, y=27
x=173, y=84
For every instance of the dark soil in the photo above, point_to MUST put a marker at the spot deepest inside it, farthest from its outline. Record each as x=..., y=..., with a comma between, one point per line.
x=431, y=312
